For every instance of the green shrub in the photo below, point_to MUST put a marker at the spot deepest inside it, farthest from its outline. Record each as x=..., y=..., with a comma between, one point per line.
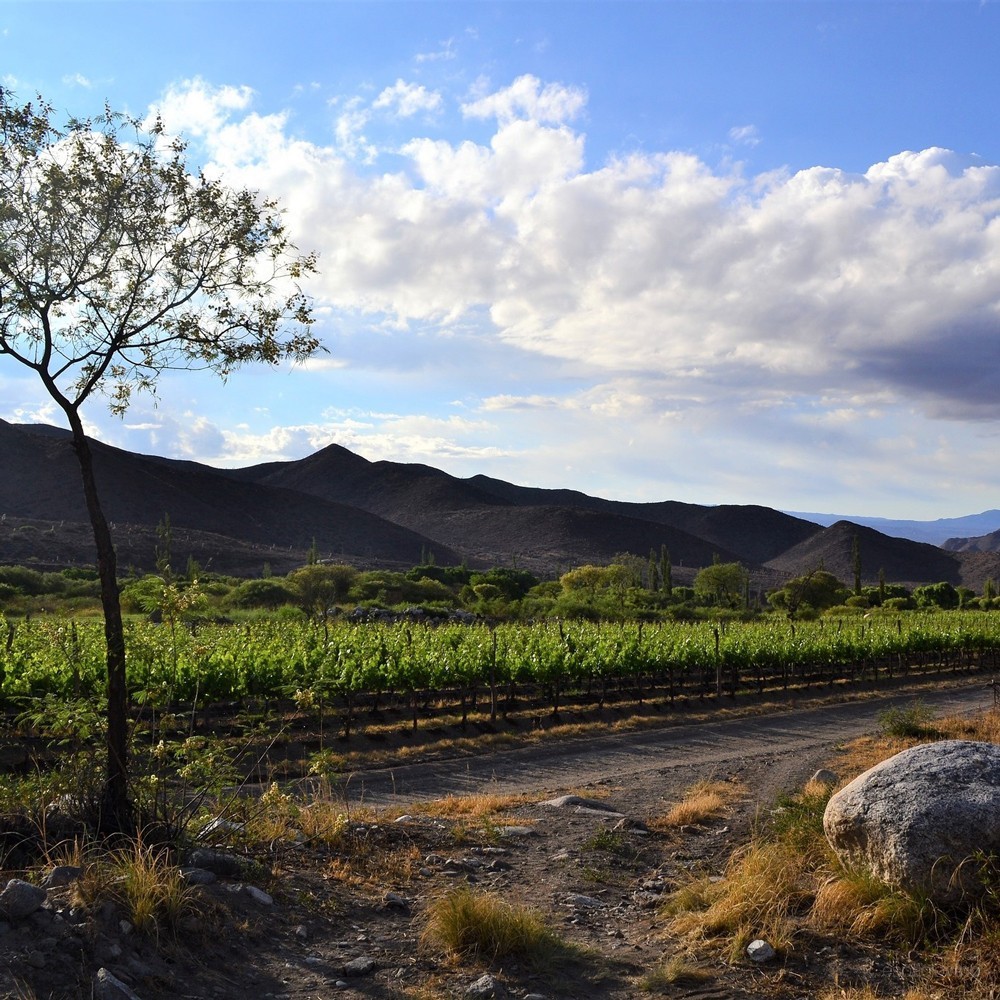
x=912, y=722
x=271, y=593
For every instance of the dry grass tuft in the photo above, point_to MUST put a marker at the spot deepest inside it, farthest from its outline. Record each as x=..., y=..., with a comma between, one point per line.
x=859, y=904
x=375, y=866
x=764, y=886
x=703, y=801
x=483, y=927
x=676, y=971
x=482, y=806
x=142, y=880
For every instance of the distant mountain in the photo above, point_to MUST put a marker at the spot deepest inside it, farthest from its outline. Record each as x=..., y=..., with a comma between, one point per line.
x=902, y=560
x=934, y=532
x=395, y=515
x=42, y=482
x=983, y=543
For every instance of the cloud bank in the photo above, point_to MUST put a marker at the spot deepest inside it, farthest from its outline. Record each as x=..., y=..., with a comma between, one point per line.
x=652, y=267
x=651, y=320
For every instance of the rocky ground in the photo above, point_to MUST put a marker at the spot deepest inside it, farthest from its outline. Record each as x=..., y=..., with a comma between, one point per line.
x=311, y=920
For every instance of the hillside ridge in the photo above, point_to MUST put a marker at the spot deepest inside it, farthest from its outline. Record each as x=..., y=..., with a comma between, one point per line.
x=346, y=508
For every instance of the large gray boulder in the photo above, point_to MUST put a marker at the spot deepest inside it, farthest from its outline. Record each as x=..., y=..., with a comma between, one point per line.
x=926, y=820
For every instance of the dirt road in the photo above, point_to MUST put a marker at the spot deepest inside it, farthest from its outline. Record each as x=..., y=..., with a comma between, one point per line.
x=789, y=744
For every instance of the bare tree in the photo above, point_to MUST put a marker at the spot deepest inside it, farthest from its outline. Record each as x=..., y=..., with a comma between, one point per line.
x=117, y=263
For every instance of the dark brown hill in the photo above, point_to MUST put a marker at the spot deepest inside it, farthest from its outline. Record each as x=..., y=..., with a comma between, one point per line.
x=756, y=533
x=41, y=481
x=394, y=514
x=394, y=490
x=904, y=561
x=498, y=523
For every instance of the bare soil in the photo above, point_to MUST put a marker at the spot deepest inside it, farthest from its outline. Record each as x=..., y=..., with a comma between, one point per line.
x=597, y=876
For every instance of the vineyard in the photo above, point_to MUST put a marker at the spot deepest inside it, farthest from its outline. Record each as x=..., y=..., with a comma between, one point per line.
x=350, y=668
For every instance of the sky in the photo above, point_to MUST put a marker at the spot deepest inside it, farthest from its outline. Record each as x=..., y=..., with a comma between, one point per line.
x=716, y=252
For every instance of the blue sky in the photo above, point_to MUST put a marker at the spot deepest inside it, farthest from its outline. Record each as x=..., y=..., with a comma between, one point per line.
x=713, y=252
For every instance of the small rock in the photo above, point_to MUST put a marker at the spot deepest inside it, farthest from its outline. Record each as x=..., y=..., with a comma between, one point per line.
x=62, y=875
x=20, y=899
x=584, y=902
x=824, y=776
x=217, y=826
x=221, y=863
x=361, y=966
x=198, y=876
x=109, y=987
x=393, y=901
x=578, y=802
x=36, y=960
x=302, y=932
x=760, y=951
x=485, y=986
x=258, y=895
x=518, y=831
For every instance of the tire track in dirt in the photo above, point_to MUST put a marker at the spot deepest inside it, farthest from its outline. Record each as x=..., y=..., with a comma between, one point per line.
x=787, y=742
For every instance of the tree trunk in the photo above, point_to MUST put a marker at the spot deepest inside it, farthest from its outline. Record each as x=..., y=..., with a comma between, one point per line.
x=116, y=812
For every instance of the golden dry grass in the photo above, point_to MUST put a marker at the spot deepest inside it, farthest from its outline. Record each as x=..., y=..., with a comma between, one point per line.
x=142, y=880
x=787, y=880
x=480, y=806
x=703, y=801
x=481, y=926
x=678, y=970
x=376, y=867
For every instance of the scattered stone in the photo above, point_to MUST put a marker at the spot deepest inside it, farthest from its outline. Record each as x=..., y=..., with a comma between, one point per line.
x=581, y=805
x=361, y=966
x=485, y=986
x=62, y=875
x=110, y=987
x=394, y=901
x=20, y=899
x=646, y=900
x=258, y=895
x=584, y=902
x=925, y=820
x=518, y=831
x=223, y=864
x=824, y=776
x=219, y=825
x=302, y=932
x=198, y=876
x=760, y=951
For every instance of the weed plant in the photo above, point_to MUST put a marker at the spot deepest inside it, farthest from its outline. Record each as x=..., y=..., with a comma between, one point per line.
x=702, y=802
x=482, y=927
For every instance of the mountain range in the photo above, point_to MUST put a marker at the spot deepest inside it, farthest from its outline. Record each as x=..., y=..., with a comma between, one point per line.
x=394, y=515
